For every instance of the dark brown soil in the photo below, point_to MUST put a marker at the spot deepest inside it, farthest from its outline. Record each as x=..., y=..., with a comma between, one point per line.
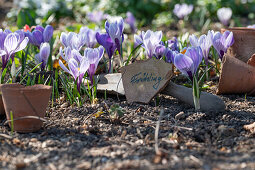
x=187, y=139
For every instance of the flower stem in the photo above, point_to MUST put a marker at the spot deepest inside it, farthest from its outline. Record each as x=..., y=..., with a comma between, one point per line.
x=196, y=93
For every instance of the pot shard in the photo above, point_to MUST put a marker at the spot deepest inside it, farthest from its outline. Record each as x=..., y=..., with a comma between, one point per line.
x=237, y=77
x=251, y=61
x=26, y=101
x=243, y=46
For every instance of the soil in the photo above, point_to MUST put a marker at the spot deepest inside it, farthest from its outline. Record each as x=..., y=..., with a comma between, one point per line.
x=74, y=138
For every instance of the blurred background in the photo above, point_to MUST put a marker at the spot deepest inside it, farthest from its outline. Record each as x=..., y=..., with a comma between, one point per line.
x=149, y=14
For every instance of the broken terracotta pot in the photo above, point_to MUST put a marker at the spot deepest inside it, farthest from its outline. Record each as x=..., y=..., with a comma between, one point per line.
x=27, y=104
x=251, y=61
x=243, y=47
x=237, y=77
x=2, y=112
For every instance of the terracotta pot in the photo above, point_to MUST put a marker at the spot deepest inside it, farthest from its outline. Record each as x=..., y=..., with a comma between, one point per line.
x=26, y=101
x=236, y=77
x=243, y=47
x=251, y=61
x=2, y=112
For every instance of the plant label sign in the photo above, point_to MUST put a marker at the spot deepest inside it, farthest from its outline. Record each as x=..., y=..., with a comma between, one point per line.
x=142, y=80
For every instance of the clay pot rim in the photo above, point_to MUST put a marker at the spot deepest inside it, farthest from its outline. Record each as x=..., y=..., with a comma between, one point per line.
x=20, y=87
x=238, y=29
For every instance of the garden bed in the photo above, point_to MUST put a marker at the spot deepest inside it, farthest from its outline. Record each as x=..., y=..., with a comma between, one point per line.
x=71, y=138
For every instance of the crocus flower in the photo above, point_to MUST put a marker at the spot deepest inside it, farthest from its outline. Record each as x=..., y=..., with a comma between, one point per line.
x=173, y=44
x=72, y=40
x=95, y=16
x=150, y=41
x=93, y=55
x=115, y=29
x=182, y=10
x=139, y=39
x=224, y=15
x=221, y=42
x=204, y=42
x=251, y=26
x=131, y=21
x=106, y=41
x=43, y=55
x=189, y=62
x=40, y=35
x=170, y=55
x=89, y=36
x=10, y=43
x=76, y=68
x=160, y=51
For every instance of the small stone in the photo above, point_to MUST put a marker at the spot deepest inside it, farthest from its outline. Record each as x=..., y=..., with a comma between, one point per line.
x=180, y=116
x=84, y=165
x=20, y=165
x=64, y=105
x=16, y=141
x=33, y=140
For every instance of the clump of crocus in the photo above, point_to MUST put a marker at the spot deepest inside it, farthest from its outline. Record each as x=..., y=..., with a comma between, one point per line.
x=43, y=55
x=10, y=43
x=73, y=40
x=173, y=44
x=131, y=21
x=221, y=42
x=204, y=42
x=89, y=36
x=93, y=55
x=115, y=27
x=77, y=64
x=150, y=41
x=106, y=41
x=188, y=63
x=95, y=16
x=182, y=10
x=40, y=35
x=224, y=15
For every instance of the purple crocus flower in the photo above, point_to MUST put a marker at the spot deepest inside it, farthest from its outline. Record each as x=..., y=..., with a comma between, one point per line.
x=43, y=55
x=131, y=21
x=90, y=36
x=224, y=15
x=204, y=42
x=115, y=30
x=10, y=44
x=139, y=39
x=93, y=55
x=173, y=44
x=76, y=68
x=73, y=40
x=221, y=42
x=40, y=35
x=251, y=26
x=106, y=41
x=160, y=51
x=189, y=62
x=150, y=41
x=182, y=10
x=95, y=16
x=170, y=55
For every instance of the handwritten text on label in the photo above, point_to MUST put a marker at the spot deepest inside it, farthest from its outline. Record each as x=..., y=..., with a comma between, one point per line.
x=146, y=77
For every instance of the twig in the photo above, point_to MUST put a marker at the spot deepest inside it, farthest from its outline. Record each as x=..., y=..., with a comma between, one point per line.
x=157, y=131
x=5, y=136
